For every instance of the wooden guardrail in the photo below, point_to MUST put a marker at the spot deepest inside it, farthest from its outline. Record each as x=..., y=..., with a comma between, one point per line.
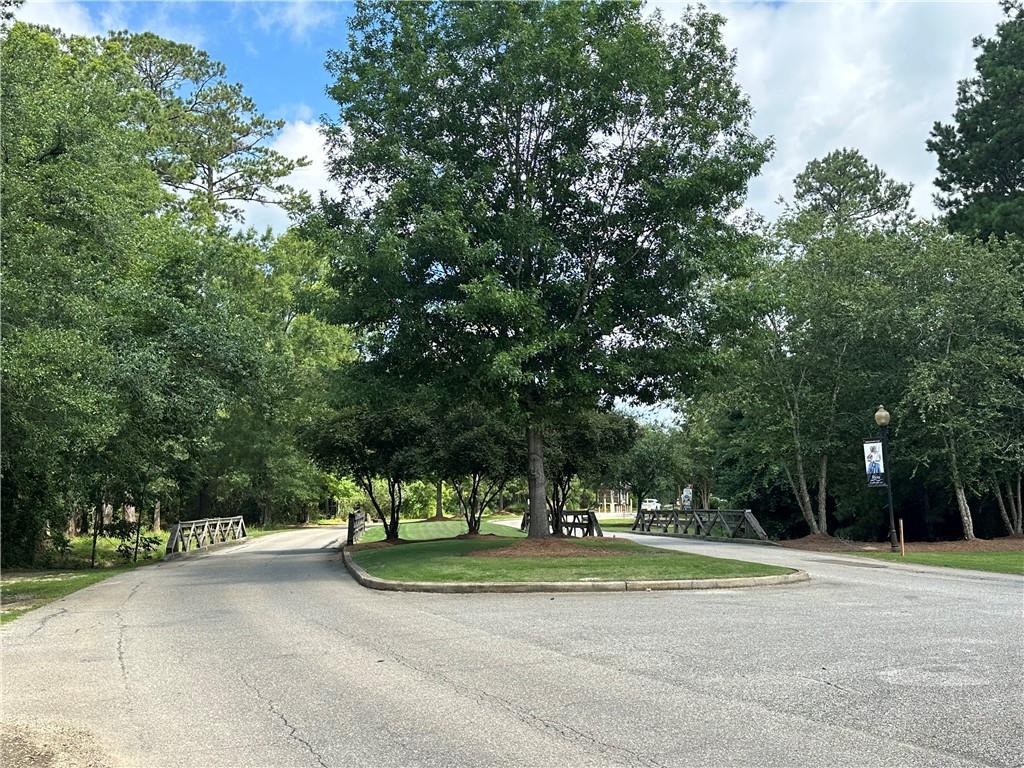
x=356, y=525
x=734, y=523
x=195, y=534
x=570, y=522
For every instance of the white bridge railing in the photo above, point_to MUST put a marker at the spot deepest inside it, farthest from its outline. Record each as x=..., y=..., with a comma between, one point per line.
x=195, y=534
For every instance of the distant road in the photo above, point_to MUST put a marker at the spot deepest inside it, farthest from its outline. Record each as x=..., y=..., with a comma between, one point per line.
x=268, y=654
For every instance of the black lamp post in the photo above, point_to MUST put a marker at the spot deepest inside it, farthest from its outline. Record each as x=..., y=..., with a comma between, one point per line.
x=882, y=420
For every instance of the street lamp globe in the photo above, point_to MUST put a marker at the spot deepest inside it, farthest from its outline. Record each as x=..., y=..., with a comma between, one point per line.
x=882, y=416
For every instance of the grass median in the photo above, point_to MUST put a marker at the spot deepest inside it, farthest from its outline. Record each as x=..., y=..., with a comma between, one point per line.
x=424, y=556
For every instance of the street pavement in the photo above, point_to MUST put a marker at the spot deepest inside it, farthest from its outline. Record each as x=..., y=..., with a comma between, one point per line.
x=269, y=654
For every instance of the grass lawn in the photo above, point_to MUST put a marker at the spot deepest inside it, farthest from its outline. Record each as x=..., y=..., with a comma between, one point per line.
x=423, y=530
x=23, y=590
x=998, y=562
x=106, y=553
x=448, y=560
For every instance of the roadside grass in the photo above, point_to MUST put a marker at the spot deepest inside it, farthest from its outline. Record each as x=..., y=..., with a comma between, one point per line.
x=106, y=553
x=995, y=562
x=423, y=530
x=447, y=560
x=22, y=590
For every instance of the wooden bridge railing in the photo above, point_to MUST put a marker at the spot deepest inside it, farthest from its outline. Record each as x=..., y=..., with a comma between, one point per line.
x=356, y=525
x=734, y=523
x=570, y=522
x=195, y=534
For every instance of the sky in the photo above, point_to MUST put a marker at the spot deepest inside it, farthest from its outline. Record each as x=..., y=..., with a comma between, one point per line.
x=873, y=76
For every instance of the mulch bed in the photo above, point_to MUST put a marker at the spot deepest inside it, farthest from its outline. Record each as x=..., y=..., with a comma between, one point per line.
x=553, y=547
x=822, y=542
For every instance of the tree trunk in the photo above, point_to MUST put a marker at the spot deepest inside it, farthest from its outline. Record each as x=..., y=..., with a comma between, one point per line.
x=1016, y=513
x=97, y=521
x=1002, y=507
x=965, y=511
x=474, y=524
x=156, y=517
x=439, y=508
x=394, y=518
x=823, y=494
x=803, y=499
x=537, y=484
x=204, y=501
x=138, y=529
x=961, y=497
x=1020, y=506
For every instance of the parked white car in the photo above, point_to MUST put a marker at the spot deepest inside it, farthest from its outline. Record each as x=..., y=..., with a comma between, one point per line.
x=650, y=505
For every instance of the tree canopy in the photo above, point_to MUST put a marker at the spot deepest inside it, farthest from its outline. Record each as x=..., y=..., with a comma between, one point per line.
x=544, y=197
x=981, y=155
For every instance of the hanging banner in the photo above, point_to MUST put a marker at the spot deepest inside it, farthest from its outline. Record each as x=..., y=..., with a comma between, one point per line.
x=874, y=463
x=688, y=497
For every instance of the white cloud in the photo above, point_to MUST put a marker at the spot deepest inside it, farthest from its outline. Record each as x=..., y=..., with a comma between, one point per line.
x=298, y=138
x=298, y=17
x=871, y=76
x=76, y=18
x=71, y=17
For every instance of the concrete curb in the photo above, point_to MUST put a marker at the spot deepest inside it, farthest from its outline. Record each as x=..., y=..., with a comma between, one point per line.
x=372, y=582
x=203, y=550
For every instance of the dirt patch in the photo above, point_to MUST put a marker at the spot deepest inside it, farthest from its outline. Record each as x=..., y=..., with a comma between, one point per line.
x=13, y=577
x=820, y=542
x=52, y=745
x=553, y=547
x=478, y=536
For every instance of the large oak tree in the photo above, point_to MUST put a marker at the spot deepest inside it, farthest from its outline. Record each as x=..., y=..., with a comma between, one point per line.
x=538, y=199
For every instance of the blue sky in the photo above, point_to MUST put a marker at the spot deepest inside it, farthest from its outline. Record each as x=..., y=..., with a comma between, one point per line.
x=277, y=49
x=821, y=75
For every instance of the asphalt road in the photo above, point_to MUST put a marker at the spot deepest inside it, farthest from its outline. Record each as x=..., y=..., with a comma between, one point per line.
x=268, y=654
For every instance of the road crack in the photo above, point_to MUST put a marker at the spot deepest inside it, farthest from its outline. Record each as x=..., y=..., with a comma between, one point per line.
x=47, y=619
x=548, y=725
x=563, y=731
x=131, y=594
x=121, y=627
x=830, y=684
x=293, y=731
